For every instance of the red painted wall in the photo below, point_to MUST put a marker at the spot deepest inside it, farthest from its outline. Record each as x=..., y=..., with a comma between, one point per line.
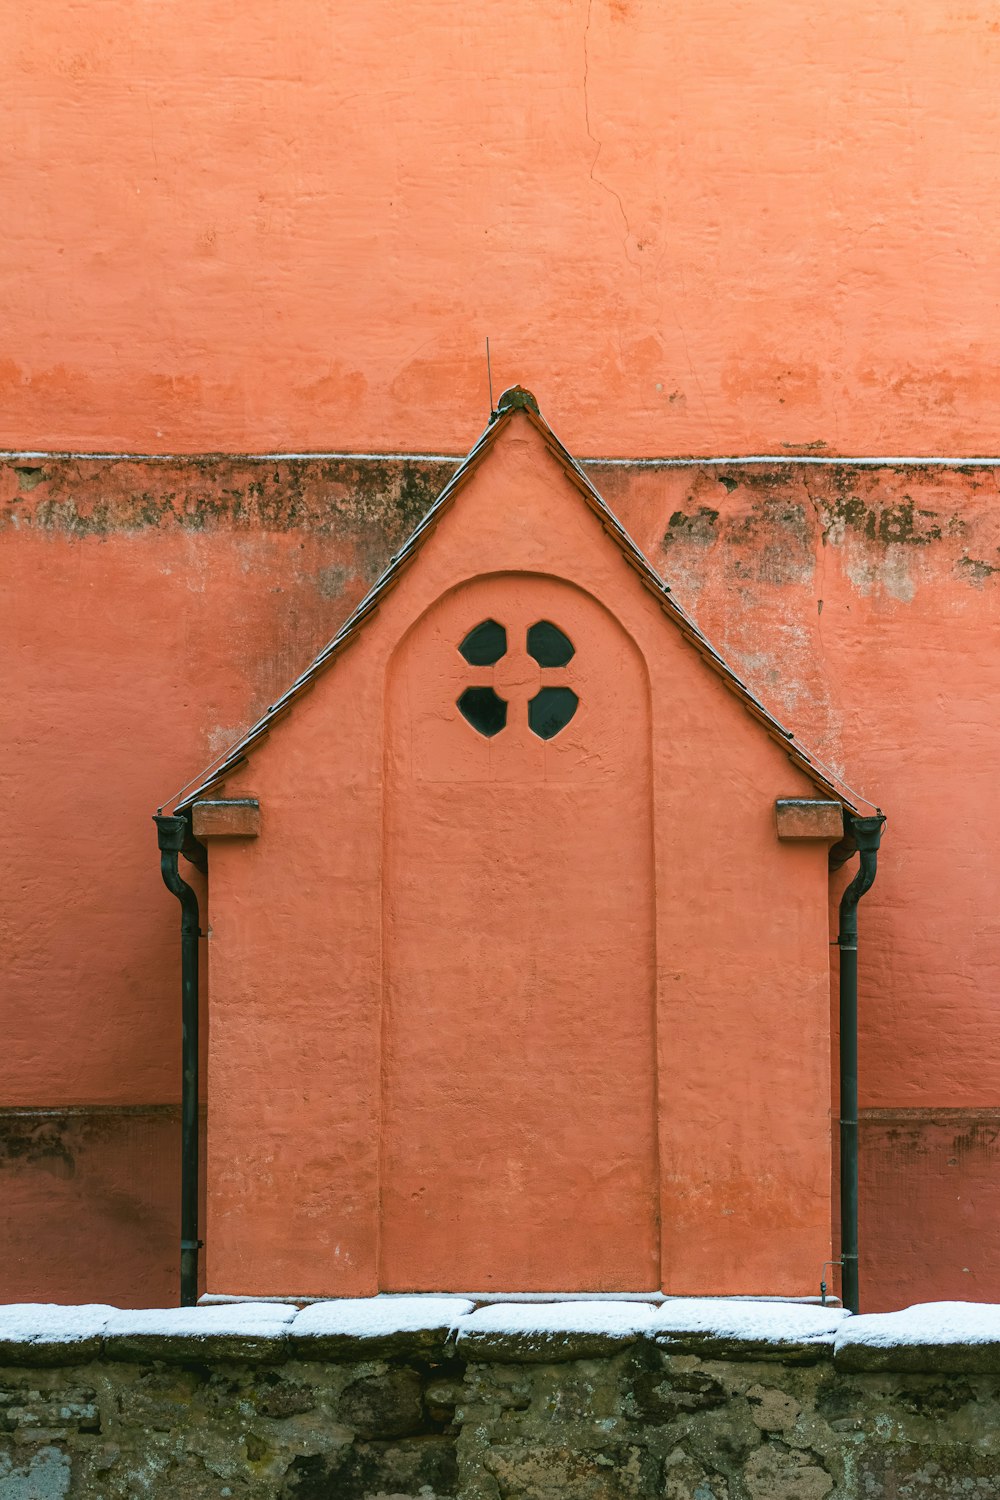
x=374, y=1121
x=519, y=1087
x=702, y=227
x=151, y=610
x=692, y=229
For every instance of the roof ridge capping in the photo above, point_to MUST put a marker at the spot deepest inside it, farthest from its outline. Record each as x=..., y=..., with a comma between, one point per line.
x=517, y=399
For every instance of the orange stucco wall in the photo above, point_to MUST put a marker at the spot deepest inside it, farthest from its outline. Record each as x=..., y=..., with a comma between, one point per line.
x=152, y=610
x=698, y=228
x=703, y=227
x=519, y=1040
x=638, y=1093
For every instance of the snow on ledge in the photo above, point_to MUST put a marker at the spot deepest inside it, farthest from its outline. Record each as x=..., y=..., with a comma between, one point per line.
x=376, y=1317
x=52, y=1322
x=552, y=1331
x=926, y=1323
x=242, y=1319
x=935, y=1335
x=753, y=1321
x=623, y=1318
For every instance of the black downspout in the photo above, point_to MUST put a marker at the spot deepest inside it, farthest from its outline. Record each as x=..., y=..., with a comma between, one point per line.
x=867, y=835
x=172, y=834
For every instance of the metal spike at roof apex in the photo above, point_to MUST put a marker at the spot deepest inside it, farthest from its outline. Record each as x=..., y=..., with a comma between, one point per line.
x=517, y=400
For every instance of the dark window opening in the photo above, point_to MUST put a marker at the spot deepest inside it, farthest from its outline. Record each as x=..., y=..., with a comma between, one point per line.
x=548, y=645
x=485, y=644
x=484, y=709
x=551, y=710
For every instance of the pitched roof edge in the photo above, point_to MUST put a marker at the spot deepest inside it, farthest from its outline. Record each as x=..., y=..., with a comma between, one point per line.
x=230, y=759
x=823, y=777
x=518, y=400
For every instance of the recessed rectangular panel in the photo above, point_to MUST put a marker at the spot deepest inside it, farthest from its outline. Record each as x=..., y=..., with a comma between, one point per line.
x=518, y=1141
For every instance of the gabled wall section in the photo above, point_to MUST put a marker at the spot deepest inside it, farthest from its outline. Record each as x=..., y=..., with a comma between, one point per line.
x=297, y=1051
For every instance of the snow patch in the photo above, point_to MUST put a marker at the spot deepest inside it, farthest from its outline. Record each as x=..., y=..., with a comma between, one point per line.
x=485, y=1298
x=624, y=1318
x=375, y=1317
x=759, y=1322
x=925, y=1323
x=256, y=1319
x=52, y=1323
x=750, y=1320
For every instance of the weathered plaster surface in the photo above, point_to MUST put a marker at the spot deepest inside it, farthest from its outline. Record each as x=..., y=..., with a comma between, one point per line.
x=150, y=610
x=568, y=1031
x=702, y=227
x=101, y=1178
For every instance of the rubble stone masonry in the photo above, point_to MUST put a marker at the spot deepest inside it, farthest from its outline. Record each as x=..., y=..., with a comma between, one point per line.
x=638, y=1420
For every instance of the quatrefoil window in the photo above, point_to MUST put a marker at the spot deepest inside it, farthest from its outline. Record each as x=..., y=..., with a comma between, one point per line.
x=485, y=644
x=484, y=709
x=548, y=645
x=551, y=708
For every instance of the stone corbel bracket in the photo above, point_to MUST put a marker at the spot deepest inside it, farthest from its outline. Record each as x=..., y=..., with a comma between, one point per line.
x=226, y=818
x=807, y=818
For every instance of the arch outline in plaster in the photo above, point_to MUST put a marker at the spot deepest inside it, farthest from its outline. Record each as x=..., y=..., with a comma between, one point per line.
x=485, y=585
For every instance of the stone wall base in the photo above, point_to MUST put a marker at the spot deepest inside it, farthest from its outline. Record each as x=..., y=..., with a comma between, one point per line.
x=642, y=1422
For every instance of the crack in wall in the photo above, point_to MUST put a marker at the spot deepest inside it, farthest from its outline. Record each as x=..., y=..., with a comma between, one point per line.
x=598, y=144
